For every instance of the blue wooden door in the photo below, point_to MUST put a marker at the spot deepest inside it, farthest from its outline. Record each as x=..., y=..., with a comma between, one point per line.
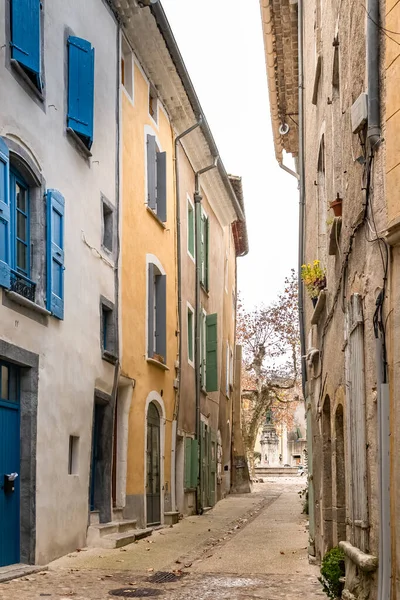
x=9, y=464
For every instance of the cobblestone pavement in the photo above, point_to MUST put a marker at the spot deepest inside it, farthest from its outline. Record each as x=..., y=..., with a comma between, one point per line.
x=249, y=546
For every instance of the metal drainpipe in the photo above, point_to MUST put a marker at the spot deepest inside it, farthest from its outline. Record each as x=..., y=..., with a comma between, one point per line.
x=197, y=349
x=302, y=196
x=373, y=64
x=179, y=277
x=374, y=138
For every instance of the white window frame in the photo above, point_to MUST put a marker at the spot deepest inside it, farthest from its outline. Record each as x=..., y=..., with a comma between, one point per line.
x=151, y=259
x=155, y=99
x=191, y=309
x=129, y=63
x=203, y=263
x=189, y=202
x=203, y=349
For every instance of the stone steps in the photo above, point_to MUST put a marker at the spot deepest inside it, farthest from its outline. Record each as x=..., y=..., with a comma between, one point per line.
x=98, y=532
x=117, y=540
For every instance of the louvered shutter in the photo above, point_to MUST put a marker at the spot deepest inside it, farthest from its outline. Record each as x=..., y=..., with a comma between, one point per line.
x=188, y=462
x=81, y=88
x=211, y=353
x=4, y=215
x=161, y=161
x=161, y=316
x=55, y=253
x=25, y=35
x=151, y=171
x=194, y=473
x=150, y=312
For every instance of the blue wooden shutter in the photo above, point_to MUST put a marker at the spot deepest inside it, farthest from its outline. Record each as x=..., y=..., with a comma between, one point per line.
x=161, y=316
x=161, y=159
x=4, y=215
x=211, y=353
x=150, y=312
x=25, y=34
x=81, y=88
x=151, y=171
x=55, y=253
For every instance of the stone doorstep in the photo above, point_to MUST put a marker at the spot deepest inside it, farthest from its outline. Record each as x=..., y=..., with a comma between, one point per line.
x=19, y=570
x=117, y=540
x=171, y=518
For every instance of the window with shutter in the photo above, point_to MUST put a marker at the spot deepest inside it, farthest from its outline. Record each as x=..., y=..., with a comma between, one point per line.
x=55, y=253
x=25, y=37
x=211, y=353
x=190, y=228
x=204, y=245
x=4, y=215
x=188, y=462
x=156, y=179
x=81, y=89
x=190, y=334
x=157, y=314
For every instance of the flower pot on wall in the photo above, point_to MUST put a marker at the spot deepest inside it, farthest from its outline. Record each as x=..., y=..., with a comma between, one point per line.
x=336, y=206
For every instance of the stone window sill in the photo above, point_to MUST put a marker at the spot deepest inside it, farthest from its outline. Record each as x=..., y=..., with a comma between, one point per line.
x=158, y=364
x=334, y=236
x=77, y=140
x=17, y=67
x=319, y=307
x=109, y=357
x=155, y=217
x=18, y=299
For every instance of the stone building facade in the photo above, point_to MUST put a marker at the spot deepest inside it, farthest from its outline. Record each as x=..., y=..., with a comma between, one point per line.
x=341, y=114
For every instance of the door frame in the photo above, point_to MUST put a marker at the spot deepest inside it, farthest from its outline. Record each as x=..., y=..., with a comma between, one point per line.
x=28, y=362
x=158, y=401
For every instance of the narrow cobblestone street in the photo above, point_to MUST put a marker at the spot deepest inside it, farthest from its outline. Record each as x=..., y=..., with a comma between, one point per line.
x=250, y=546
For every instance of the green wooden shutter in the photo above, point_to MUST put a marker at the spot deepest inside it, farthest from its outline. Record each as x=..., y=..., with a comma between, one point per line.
x=202, y=249
x=211, y=353
x=188, y=462
x=213, y=466
x=161, y=167
x=151, y=171
x=194, y=471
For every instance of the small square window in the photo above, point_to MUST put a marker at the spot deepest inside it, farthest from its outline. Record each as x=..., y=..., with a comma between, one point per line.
x=153, y=107
x=127, y=67
x=73, y=455
x=107, y=226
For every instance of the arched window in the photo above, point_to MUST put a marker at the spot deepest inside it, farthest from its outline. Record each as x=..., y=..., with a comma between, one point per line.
x=321, y=200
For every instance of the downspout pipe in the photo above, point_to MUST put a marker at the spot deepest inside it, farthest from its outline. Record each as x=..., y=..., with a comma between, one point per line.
x=302, y=196
x=179, y=285
x=197, y=348
x=179, y=251
x=373, y=64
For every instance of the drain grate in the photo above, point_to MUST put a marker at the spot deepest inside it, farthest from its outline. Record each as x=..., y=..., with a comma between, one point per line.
x=164, y=577
x=135, y=593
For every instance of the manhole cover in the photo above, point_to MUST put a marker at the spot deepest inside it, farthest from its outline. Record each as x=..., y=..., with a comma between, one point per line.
x=135, y=593
x=164, y=577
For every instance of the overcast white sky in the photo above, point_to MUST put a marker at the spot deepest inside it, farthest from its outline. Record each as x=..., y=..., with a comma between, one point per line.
x=222, y=46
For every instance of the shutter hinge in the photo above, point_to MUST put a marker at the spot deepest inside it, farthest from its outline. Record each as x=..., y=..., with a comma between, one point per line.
x=18, y=48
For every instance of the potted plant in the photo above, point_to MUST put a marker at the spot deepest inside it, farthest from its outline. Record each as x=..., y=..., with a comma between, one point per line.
x=314, y=278
x=336, y=206
x=333, y=573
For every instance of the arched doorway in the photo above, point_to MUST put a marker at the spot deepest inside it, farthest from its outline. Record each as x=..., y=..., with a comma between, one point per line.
x=153, y=466
x=327, y=476
x=340, y=476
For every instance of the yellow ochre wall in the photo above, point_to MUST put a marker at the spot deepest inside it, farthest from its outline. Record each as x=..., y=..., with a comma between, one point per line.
x=142, y=234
